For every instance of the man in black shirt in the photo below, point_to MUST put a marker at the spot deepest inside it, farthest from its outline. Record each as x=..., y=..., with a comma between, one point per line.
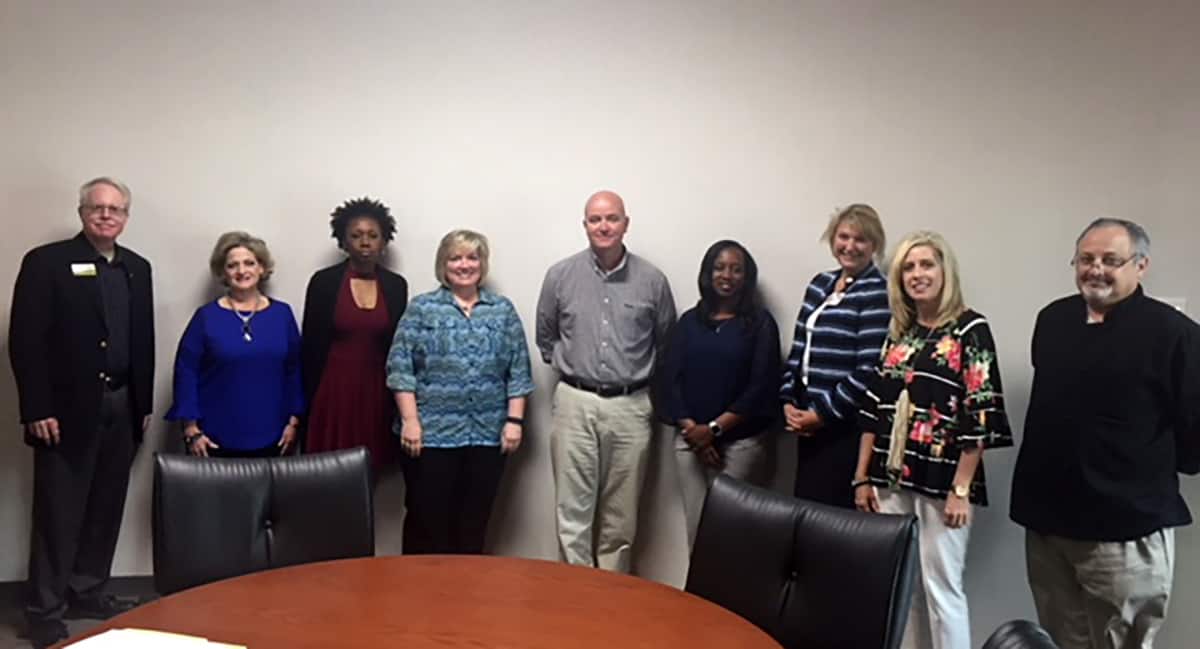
x=81, y=341
x=1114, y=417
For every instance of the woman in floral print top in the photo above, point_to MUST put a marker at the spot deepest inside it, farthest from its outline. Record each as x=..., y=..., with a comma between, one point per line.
x=933, y=406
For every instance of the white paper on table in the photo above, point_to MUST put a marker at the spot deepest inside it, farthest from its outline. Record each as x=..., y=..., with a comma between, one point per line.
x=147, y=638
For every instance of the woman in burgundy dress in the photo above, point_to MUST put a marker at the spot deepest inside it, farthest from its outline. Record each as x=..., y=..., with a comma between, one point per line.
x=350, y=314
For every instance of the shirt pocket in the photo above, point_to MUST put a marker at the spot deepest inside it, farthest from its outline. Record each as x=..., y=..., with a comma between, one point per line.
x=635, y=321
x=419, y=353
x=490, y=348
x=433, y=345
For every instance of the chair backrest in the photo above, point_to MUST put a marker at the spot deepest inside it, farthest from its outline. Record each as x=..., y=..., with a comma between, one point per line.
x=1019, y=634
x=215, y=518
x=808, y=574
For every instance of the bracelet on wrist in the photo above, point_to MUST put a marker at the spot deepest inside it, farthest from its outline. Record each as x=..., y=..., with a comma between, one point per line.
x=860, y=483
x=520, y=421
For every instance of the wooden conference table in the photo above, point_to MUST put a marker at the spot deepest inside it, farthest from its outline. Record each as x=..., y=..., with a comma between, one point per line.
x=444, y=601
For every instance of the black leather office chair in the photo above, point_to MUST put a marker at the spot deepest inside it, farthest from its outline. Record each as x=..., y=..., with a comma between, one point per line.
x=1020, y=634
x=808, y=574
x=215, y=518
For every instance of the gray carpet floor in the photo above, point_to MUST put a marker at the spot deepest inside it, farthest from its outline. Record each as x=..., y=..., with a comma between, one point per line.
x=12, y=617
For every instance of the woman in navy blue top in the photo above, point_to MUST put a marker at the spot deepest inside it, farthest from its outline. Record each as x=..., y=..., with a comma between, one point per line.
x=719, y=379
x=237, y=371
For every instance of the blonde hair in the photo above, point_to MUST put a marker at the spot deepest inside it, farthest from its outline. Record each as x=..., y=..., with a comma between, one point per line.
x=239, y=239
x=904, y=310
x=454, y=240
x=866, y=219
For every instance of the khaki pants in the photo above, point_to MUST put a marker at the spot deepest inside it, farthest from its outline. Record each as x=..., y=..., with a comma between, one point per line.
x=599, y=449
x=1101, y=595
x=745, y=459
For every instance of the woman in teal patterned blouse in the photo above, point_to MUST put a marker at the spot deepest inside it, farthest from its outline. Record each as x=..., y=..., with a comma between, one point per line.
x=459, y=368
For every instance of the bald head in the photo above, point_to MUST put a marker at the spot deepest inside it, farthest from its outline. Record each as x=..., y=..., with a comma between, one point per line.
x=605, y=221
x=604, y=200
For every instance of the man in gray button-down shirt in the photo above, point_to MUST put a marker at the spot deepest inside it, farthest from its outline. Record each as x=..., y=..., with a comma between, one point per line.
x=602, y=317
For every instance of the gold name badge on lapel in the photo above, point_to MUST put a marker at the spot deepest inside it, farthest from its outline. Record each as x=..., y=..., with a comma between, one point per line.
x=83, y=270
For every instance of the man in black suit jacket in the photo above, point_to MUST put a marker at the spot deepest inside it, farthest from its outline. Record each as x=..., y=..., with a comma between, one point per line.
x=81, y=342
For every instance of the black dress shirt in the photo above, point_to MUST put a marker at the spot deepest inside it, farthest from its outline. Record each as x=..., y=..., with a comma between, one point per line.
x=114, y=296
x=1114, y=416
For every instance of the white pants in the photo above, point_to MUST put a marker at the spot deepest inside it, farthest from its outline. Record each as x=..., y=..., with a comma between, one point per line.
x=938, y=618
x=1101, y=595
x=599, y=449
x=745, y=459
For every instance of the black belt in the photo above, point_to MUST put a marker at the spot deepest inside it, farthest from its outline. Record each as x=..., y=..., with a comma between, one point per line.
x=606, y=390
x=115, y=382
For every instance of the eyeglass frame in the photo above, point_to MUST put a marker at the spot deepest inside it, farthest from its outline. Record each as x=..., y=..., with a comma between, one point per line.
x=1076, y=262
x=101, y=209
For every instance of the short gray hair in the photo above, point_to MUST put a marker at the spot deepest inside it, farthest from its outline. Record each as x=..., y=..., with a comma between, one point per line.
x=454, y=240
x=238, y=239
x=1137, y=234
x=87, y=188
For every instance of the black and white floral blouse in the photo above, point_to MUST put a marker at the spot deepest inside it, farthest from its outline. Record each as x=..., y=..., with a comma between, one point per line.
x=953, y=383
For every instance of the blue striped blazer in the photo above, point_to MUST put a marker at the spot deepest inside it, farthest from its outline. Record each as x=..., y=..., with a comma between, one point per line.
x=846, y=341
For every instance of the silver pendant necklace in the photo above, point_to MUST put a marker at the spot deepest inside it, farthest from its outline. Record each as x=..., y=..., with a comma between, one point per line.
x=247, y=333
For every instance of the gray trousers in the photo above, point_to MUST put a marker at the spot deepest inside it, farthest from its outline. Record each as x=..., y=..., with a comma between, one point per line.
x=1101, y=595
x=746, y=459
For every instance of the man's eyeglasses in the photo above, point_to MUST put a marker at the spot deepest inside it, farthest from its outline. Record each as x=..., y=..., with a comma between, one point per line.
x=1107, y=262
x=100, y=209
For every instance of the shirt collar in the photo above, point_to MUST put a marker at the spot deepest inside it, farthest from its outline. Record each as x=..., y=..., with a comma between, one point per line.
x=100, y=258
x=616, y=269
x=485, y=296
x=870, y=270
x=94, y=254
x=1120, y=309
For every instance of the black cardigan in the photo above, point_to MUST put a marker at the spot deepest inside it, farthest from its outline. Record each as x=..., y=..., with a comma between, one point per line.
x=320, y=300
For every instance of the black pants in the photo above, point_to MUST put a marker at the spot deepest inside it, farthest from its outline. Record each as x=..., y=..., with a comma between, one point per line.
x=825, y=465
x=78, y=499
x=449, y=498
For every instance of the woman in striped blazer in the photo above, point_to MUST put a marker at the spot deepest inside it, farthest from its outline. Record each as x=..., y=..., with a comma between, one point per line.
x=838, y=335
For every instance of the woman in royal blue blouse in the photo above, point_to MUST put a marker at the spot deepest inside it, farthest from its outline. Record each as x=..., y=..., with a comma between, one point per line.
x=720, y=378
x=459, y=367
x=237, y=371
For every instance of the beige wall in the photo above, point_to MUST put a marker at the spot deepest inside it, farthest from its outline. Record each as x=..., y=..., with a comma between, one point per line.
x=1175, y=270
x=1007, y=126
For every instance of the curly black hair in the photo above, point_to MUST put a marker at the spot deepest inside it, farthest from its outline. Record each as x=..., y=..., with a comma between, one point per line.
x=362, y=207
